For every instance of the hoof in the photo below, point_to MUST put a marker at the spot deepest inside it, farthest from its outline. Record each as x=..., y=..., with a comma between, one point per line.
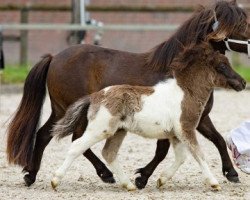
x=216, y=187
x=29, y=179
x=141, y=182
x=108, y=179
x=130, y=186
x=54, y=183
x=160, y=182
x=106, y=176
x=231, y=175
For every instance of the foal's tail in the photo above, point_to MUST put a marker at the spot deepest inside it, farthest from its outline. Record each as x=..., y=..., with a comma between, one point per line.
x=22, y=128
x=71, y=119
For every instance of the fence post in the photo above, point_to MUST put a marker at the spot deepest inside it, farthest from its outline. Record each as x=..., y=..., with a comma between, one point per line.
x=24, y=38
x=1, y=50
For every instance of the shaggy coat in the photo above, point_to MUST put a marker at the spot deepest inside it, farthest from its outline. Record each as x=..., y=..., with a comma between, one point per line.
x=171, y=109
x=83, y=69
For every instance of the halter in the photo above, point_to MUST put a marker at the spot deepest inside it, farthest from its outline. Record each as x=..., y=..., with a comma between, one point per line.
x=227, y=40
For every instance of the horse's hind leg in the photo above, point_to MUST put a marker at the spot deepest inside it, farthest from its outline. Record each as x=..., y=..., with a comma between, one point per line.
x=147, y=171
x=109, y=153
x=78, y=147
x=180, y=156
x=207, y=129
x=42, y=140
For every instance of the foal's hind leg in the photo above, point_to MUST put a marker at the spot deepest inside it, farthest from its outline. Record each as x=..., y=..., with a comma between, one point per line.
x=109, y=153
x=42, y=140
x=180, y=156
x=102, y=171
x=189, y=138
x=79, y=146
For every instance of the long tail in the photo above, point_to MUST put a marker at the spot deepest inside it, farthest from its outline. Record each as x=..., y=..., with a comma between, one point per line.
x=71, y=119
x=22, y=128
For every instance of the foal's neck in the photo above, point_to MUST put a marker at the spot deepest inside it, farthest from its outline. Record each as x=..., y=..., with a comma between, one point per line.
x=195, y=85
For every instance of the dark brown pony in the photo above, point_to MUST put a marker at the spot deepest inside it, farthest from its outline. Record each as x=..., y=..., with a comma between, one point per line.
x=84, y=69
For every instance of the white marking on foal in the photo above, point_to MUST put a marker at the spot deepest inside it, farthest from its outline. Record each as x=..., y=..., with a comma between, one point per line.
x=97, y=130
x=180, y=156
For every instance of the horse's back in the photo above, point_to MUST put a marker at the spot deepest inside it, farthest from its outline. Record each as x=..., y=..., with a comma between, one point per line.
x=83, y=69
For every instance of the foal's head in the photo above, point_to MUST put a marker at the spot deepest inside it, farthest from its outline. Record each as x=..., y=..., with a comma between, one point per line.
x=201, y=63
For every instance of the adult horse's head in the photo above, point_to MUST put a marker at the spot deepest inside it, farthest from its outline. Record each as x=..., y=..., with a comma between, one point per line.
x=212, y=23
x=226, y=19
x=231, y=29
x=201, y=63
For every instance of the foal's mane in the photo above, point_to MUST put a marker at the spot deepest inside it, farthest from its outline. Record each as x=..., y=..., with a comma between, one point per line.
x=196, y=29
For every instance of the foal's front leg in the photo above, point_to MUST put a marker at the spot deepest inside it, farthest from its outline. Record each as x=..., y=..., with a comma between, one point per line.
x=189, y=138
x=207, y=129
x=180, y=157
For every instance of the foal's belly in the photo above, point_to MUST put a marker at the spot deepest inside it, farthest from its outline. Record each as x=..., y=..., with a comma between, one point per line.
x=153, y=128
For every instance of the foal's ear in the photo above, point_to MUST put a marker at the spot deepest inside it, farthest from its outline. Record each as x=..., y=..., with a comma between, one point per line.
x=233, y=2
x=185, y=58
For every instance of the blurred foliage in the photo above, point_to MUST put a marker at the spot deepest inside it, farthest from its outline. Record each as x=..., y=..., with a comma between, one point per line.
x=17, y=74
x=14, y=74
x=244, y=72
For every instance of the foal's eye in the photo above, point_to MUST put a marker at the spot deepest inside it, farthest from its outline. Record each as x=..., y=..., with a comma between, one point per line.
x=221, y=68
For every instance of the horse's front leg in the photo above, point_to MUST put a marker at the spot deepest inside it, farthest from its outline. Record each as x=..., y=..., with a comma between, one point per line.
x=207, y=129
x=147, y=171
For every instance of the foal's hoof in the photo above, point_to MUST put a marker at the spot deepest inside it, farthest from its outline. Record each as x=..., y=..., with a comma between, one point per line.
x=54, y=183
x=160, y=182
x=232, y=176
x=29, y=179
x=216, y=187
x=130, y=186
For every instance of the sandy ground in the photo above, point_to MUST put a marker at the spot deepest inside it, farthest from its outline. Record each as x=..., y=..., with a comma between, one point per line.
x=81, y=181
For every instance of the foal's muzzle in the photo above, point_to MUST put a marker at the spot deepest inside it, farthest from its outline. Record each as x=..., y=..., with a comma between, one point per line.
x=237, y=84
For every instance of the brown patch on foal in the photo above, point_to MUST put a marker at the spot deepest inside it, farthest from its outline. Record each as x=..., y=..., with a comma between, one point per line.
x=125, y=100
x=121, y=100
x=197, y=88
x=95, y=103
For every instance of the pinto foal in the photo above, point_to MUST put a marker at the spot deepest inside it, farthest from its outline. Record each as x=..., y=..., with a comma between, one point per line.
x=171, y=109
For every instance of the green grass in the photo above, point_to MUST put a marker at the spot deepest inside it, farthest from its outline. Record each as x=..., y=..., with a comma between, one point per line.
x=244, y=72
x=17, y=74
x=14, y=74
